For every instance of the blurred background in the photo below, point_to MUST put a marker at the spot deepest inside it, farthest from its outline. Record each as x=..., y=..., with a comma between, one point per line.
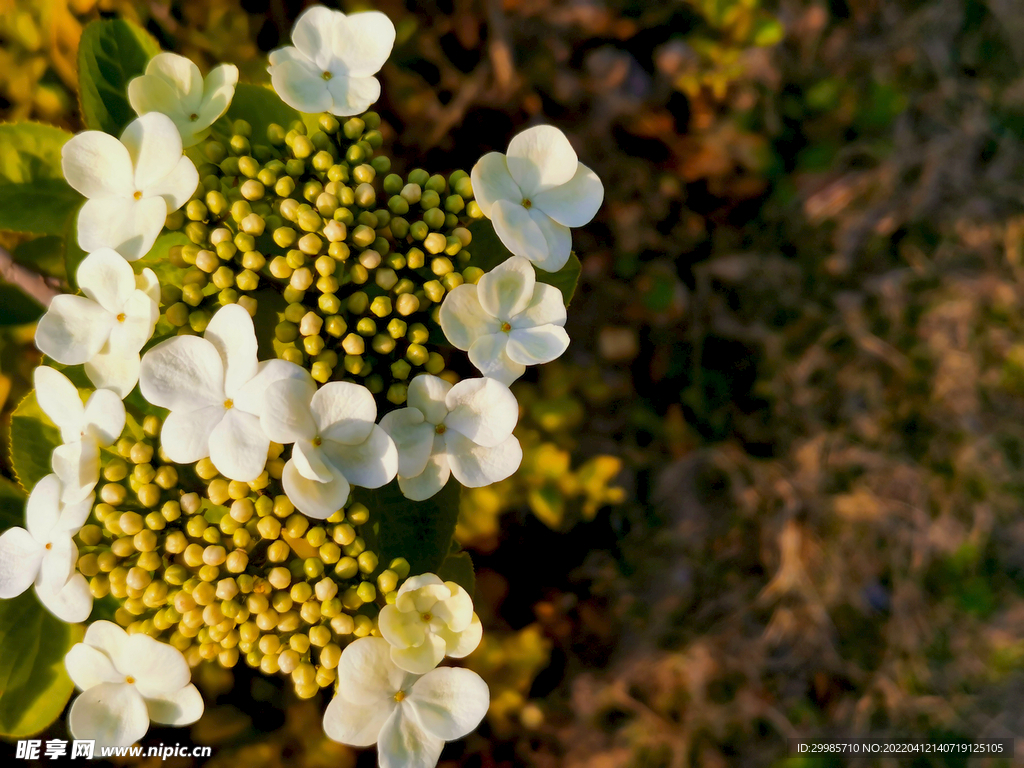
x=773, y=488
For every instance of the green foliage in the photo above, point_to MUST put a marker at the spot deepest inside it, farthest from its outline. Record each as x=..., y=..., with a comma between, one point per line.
x=17, y=308
x=34, y=686
x=33, y=194
x=159, y=261
x=12, y=504
x=258, y=106
x=73, y=254
x=419, y=531
x=458, y=567
x=489, y=252
x=111, y=53
x=33, y=438
x=43, y=254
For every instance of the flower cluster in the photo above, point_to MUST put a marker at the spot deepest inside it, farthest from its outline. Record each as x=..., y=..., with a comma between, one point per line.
x=295, y=349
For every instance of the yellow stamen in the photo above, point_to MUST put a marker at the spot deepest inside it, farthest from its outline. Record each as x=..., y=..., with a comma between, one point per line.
x=318, y=441
x=440, y=429
x=327, y=75
x=400, y=696
x=527, y=203
x=138, y=195
x=229, y=403
x=193, y=117
x=506, y=328
x=121, y=317
x=427, y=617
x=130, y=680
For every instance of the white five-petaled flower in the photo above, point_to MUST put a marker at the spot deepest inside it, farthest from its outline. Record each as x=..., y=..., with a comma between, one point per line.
x=84, y=429
x=126, y=682
x=335, y=442
x=429, y=620
x=174, y=86
x=535, y=193
x=44, y=553
x=214, y=387
x=332, y=64
x=105, y=328
x=463, y=430
x=132, y=184
x=506, y=321
x=409, y=717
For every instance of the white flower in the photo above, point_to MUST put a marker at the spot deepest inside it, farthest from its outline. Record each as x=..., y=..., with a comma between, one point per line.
x=84, y=429
x=132, y=184
x=335, y=441
x=126, y=682
x=46, y=554
x=105, y=328
x=174, y=86
x=429, y=620
x=409, y=717
x=506, y=321
x=535, y=193
x=213, y=387
x=332, y=65
x=463, y=430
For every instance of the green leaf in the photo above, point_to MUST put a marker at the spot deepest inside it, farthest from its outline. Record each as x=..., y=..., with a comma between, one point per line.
x=73, y=254
x=33, y=438
x=43, y=254
x=259, y=106
x=458, y=567
x=110, y=54
x=12, y=504
x=16, y=307
x=419, y=531
x=34, y=685
x=33, y=194
x=158, y=260
x=488, y=252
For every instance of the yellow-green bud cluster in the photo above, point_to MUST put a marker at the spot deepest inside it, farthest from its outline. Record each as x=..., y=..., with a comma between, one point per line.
x=361, y=256
x=229, y=571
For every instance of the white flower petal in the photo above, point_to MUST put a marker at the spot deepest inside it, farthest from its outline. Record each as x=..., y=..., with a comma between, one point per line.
x=60, y=400
x=492, y=182
x=88, y=667
x=313, y=33
x=414, y=439
x=152, y=93
x=369, y=464
x=238, y=446
x=545, y=308
x=310, y=462
x=182, y=707
x=403, y=629
x=181, y=75
x=518, y=231
x=159, y=669
x=251, y=396
x=127, y=225
x=344, y=412
x=185, y=435
x=98, y=165
x=108, y=637
x=535, y=346
x=403, y=743
x=415, y=584
x=42, y=511
x=363, y=42
x=558, y=239
x=59, y=557
x=183, y=373
x=464, y=642
x=463, y=319
x=73, y=515
x=313, y=499
x=218, y=91
x=540, y=158
x=455, y=611
x=106, y=278
x=574, y=203
x=73, y=329
x=72, y=603
x=115, y=371
x=507, y=289
x=489, y=356
x=288, y=53
x=20, y=558
x=475, y=466
x=419, y=659
x=286, y=417
x=366, y=674
x=428, y=393
x=450, y=702
x=176, y=187
x=433, y=477
x=352, y=95
x=357, y=725
x=484, y=410
x=301, y=86
x=147, y=282
x=133, y=327
x=233, y=335
x=154, y=145
x=105, y=415
x=78, y=467
x=111, y=714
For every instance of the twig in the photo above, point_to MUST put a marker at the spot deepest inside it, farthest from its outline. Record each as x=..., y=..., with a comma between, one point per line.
x=33, y=284
x=498, y=49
